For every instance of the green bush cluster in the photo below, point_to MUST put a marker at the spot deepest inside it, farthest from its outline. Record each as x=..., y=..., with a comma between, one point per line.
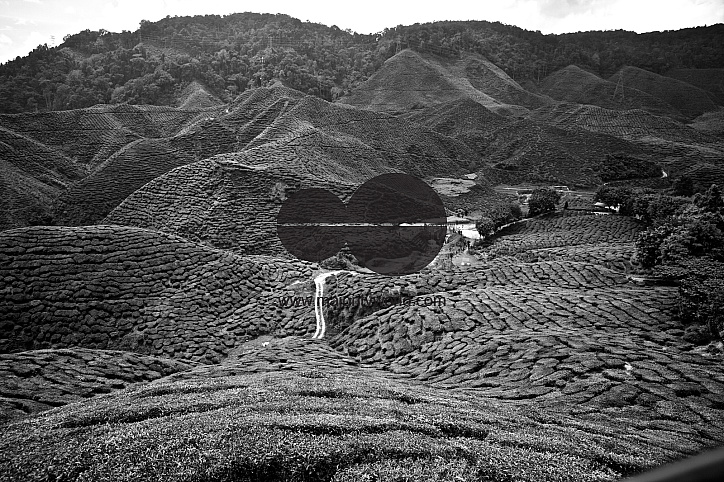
x=486, y=225
x=680, y=229
x=342, y=260
x=645, y=204
x=687, y=243
x=543, y=201
x=620, y=166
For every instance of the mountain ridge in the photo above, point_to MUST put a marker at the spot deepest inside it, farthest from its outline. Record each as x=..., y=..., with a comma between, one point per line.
x=154, y=64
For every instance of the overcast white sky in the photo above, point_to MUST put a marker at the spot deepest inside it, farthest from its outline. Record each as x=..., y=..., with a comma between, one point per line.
x=24, y=24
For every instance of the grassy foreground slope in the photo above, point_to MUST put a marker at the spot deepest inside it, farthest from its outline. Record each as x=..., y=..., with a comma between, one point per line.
x=336, y=424
x=533, y=369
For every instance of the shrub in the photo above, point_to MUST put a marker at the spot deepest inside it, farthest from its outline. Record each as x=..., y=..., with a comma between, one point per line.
x=342, y=260
x=682, y=186
x=711, y=201
x=701, y=301
x=278, y=192
x=706, y=236
x=648, y=245
x=661, y=207
x=640, y=206
x=543, y=201
x=674, y=247
x=616, y=196
x=618, y=167
x=485, y=226
x=37, y=216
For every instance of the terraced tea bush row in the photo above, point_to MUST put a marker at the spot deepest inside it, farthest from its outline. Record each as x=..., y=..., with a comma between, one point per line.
x=609, y=348
x=348, y=298
x=573, y=84
x=628, y=124
x=219, y=202
x=569, y=229
x=34, y=381
x=615, y=256
x=91, y=135
x=113, y=287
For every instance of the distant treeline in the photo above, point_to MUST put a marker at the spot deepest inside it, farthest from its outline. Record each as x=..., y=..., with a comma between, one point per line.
x=233, y=53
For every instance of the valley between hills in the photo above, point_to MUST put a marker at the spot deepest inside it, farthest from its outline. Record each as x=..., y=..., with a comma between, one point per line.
x=144, y=333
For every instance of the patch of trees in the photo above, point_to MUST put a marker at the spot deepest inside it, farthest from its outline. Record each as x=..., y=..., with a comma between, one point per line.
x=646, y=205
x=543, y=201
x=683, y=186
x=618, y=167
x=342, y=260
x=527, y=55
x=487, y=226
x=686, y=242
x=701, y=301
x=236, y=52
x=153, y=64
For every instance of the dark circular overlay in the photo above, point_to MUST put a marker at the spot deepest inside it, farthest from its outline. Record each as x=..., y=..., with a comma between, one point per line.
x=394, y=224
x=311, y=224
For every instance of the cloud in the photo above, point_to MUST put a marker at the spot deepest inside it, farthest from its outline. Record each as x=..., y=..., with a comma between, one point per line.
x=37, y=2
x=564, y=8
x=20, y=45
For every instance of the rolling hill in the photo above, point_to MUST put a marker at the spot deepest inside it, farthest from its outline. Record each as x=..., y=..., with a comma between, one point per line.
x=413, y=80
x=528, y=150
x=275, y=126
x=575, y=85
x=689, y=100
x=91, y=135
x=154, y=327
x=231, y=200
x=711, y=123
x=124, y=288
x=561, y=141
x=710, y=80
x=463, y=119
x=682, y=149
x=32, y=177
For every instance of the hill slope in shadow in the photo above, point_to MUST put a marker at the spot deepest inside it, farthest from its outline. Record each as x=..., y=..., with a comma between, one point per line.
x=573, y=84
x=689, y=100
x=412, y=80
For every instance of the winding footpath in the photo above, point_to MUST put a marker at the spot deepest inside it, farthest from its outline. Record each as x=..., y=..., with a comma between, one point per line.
x=319, y=301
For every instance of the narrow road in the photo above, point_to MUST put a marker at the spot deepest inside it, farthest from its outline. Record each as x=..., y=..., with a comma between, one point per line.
x=319, y=301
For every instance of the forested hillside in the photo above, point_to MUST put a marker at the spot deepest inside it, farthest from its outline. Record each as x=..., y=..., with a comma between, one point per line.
x=233, y=53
